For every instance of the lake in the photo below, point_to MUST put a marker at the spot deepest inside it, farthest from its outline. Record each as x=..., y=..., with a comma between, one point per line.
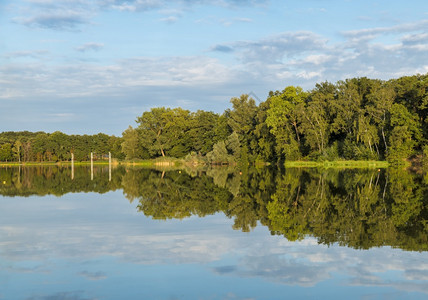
x=217, y=233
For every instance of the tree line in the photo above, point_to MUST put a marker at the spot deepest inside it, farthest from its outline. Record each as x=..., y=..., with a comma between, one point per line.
x=354, y=119
x=25, y=146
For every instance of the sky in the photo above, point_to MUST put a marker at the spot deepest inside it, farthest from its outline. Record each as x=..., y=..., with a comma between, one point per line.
x=90, y=66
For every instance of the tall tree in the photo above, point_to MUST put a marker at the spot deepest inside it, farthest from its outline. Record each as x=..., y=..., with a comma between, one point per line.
x=242, y=120
x=152, y=126
x=17, y=150
x=346, y=109
x=165, y=130
x=6, y=152
x=380, y=101
x=404, y=134
x=265, y=139
x=283, y=119
x=131, y=145
x=202, y=131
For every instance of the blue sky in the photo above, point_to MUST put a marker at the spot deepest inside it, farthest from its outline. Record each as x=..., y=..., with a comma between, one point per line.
x=82, y=66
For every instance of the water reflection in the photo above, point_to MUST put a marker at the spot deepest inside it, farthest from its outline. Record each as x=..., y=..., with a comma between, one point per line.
x=356, y=208
x=101, y=246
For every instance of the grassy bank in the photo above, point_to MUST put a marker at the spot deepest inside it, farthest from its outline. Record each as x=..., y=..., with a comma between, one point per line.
x=337, y=164
x=174, y=163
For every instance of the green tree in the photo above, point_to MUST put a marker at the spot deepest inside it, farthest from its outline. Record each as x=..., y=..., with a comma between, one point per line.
x=226, y=152
x=152, y=126
x=6, y=153
x=314, y=125
x=222, y=129
x=242, y=120
x=283, y=119
x=177, y=132
x=164, y=129
x=202, y=131
x=368, y=135
x=265, y=139
x=39, y=146
x=380, y=102
x=412, y=92
x=131, y=145
x=233, y=145
x=61, y=146
x=346, y=109
x=115, y=147
x=17, y=150
x=405, y=132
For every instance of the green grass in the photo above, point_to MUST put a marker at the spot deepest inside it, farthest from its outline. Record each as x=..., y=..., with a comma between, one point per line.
x=8, y=164
x=337, y=164
x=140, y=163
x=173, y=162
x=157, y=162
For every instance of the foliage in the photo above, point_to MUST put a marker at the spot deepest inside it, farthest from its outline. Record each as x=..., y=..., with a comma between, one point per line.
x=131, y=145
x=226, y=152
x=57, y=146
x=353, y=119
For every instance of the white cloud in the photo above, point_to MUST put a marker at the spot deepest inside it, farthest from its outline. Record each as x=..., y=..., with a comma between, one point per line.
x=401, y=28
x=66, y=15
x=307, y=58
x=32, y=90
x=86, y=79
x=282, y=46
x=309, y=75
x=62, y=21
x=170, y=19
x=60, y=117
x=415, y=38
x=93, y=275
x=229, y=22
x=90, y=46
x=37, y=54
x=144, y=5
x=316, y=59
x=136, y=6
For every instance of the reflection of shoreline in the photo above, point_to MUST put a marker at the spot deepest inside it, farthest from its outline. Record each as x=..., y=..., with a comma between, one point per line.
x=354, y=164
x=57, y=179
x=59, y=164
x=355, y=208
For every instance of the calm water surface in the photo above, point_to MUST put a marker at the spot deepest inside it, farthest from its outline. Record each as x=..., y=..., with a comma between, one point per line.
x=212, y=234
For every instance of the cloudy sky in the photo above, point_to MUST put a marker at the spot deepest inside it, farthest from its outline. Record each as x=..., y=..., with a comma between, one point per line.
x=89, y=66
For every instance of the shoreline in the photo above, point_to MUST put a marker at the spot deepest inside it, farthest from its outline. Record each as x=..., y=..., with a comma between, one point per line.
x=175, y=162
x=364, y=164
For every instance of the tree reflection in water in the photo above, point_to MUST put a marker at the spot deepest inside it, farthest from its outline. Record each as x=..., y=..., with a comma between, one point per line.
x=359, y=208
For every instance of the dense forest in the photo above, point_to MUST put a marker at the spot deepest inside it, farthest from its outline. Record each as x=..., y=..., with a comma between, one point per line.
x=354, y=119
x=25, y=146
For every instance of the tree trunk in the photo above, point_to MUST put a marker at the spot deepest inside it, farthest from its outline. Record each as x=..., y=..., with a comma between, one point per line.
x=297, y=133
x=384, y=141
